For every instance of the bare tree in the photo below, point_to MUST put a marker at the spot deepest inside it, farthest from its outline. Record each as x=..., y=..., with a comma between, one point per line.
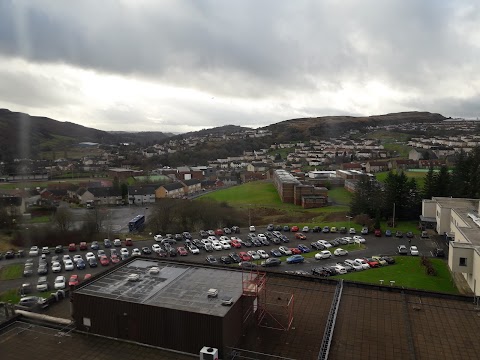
x=63, y=219
x=95, y=219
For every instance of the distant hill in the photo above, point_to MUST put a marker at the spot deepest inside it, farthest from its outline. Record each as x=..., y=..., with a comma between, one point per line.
x=143, y=138
x=22, y=135
x=334, y=126
x=219, y=130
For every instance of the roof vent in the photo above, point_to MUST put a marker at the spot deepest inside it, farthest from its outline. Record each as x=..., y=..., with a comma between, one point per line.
x=227, y=301
x=212, y=293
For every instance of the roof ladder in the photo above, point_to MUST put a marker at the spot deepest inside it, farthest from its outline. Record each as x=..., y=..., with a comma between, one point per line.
x=330, y=326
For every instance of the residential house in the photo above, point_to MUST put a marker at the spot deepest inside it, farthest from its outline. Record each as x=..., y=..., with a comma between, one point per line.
x=257, y=167
x=376, y=166
x=172, y=190
x=191, y=186
x=140, y=195
x=100, y=195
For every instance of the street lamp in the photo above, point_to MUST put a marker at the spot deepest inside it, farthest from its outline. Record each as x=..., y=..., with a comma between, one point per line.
x=349, y=218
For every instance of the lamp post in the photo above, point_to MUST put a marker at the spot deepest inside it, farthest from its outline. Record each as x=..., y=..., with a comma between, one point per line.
x=349, y=218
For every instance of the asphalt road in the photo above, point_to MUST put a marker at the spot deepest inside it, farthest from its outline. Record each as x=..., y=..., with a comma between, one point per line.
x=374, y=246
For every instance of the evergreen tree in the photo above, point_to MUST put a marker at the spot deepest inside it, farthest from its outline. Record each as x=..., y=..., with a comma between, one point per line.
x=442, y=183
x=429, y=184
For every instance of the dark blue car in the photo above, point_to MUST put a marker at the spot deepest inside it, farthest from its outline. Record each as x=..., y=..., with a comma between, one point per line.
x=295, y=259
x=303, y=248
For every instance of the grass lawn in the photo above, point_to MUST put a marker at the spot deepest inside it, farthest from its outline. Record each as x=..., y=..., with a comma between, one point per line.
x=340, y=195
x=418, y=176
x=409, y=273
x=13, y=271
x=40, y=219
x=13, y=296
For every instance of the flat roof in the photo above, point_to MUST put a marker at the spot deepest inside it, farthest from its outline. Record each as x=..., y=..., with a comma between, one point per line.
x=176, y=286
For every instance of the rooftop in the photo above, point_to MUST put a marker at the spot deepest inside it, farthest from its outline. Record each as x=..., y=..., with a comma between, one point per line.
x=181, y=287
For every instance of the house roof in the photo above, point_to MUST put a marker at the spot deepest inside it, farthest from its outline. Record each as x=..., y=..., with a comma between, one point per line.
x=173, y=186
x=191, y=182
x=105, y=191
x=142, y=190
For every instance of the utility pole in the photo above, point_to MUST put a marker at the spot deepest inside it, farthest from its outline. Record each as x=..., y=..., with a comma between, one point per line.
x=393, y=215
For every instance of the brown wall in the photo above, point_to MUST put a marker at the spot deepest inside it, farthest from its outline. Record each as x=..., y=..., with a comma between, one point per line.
x=171, y=329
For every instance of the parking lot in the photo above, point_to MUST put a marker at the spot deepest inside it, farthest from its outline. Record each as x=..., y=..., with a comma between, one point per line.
x=373, y=246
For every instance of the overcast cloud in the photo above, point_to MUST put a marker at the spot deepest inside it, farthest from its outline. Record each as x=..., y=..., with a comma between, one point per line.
x=179, y=66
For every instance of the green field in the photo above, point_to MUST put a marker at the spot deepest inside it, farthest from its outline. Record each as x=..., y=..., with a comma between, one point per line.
x=409, y=273
x=13, y=271
x=340, y=196
x=418, y=176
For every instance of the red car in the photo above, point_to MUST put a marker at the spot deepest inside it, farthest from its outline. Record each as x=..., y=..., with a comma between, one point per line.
x=294, y=228
x=83, y=245
x=128, y=242
x=219, y=232
x=372, y=262
x=300, y=236
x=236, y=244
x=73, y=280
x=295, y=251
x=87, y=276
x=244, y=256
x=378, y=232
x=182, y=251
x=72, y=247
x=114, y=259
x=104, y=260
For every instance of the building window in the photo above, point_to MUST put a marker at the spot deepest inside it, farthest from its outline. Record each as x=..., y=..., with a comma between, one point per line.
x=463, y=262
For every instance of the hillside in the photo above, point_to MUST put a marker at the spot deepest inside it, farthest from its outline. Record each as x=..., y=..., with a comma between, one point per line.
x=216, y=131
x=26, y=136
x=333, y=126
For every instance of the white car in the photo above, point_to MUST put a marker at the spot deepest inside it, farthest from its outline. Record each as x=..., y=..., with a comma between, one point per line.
x=252, y=228
x=413, y=250
x=216, y=245
x=364, y=230
x=349, y=239
x=154, y=270
x=225, y=245
x=158, y=237
x=324, y=254
x=133, y=277
x=263, y=254
x=305, y=229
x=136, y=252
x=352, y=263
x=262, y=236
x=193, y=249
x=362, y=263
x=156, y=248
x=235, y=238
x=340, y=252
x=206, y=241
x=324, y=243
x=284, y=250
x=212, y=238
x=56, y=267
x=59, y=282
x=117, y=242
x=124, y=251
x=68, y=265
x=45, y=250
x=225, y=238
x=352, y=231
x=253, y=254
x=66, y=257
x=358, y=239
x=34, y=251
x=77, y=257
x=340, y=269
x=89, y=255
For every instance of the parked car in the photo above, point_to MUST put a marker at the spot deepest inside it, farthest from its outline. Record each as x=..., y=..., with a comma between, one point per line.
x=316, y=229
x=325, y=243
x=340, y=269
x=294, y=228
x=114, y=259
x=343, y=230
x=388, y=233
x=372, y=262
x=295, y=259
x=378, y=232
x=295, y=251
x=303, y=248
x=358, y=240
x=83, y=245
x=235, y=258
x=321, y=271
x=275, y=252
x=182, y=251
x=252, y=228
x=92, y=262
x=356, y=266
x=263, y=254
x=271, y=262
x=45, y=250
x=32, y=301
x=86, y=277
x=284, y=250
x=305, y=229
x=439, y=253
x=300, y=236
x=28, y=270
x=211, y=259
x=73, y=281
x=253, y=255
x=402, y=250
x=72, y=247
x=226, y=259
x=424, y=234
x=399, y=234
x=326, y=229
x=286, y=228
x=409, y=234
x=104, y=260
x=364, y=230
x=59, y=282
x=58, y=249
x=34, y=251
x=42, y=283
x=317, y=246
x=381, y=261
x=128, y=242
x=362, y=263
x=107, y=243
x=413, y=250
x=340, y=252
x=136, y=252
x=352, y=231
x=117, y=242
x=389, y=259
x=324, y=254
x=235, y=243
x=146, y=250
x=247, y=265
x=80, y=264
x=333, y=229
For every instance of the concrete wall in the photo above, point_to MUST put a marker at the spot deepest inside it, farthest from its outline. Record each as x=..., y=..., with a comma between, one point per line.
x=428, y=208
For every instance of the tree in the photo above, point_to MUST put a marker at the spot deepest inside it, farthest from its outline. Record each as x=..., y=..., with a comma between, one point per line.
x=366, y=197
x=95, y=220
x=429, y=184
x=442, y=183
x=63, y=219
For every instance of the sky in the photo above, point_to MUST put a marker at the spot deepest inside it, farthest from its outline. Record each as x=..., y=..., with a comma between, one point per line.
x=178, y=65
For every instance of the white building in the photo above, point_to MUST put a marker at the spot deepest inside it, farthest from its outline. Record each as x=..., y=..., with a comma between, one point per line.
x=461, y=218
